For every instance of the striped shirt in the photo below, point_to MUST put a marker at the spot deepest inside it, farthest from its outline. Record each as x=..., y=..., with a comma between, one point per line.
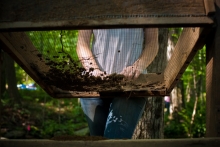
x=115, y=49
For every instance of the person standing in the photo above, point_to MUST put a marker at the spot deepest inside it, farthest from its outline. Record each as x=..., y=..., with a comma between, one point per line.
x=127, y=51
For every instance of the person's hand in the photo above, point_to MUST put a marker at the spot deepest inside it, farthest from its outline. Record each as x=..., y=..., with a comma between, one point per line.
x=131, y=72
x=97, y=73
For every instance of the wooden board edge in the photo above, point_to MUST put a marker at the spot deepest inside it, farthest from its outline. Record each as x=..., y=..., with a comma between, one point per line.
x=71, y=94
x=199, y=44
x=7, y=47
x=154, y=83
x=183, y=142
x=111, y=23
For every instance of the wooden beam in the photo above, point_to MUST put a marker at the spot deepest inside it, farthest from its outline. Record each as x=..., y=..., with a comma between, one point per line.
x=76, y=94
x=151, y=84
x=110, y=23
x=209, y=7
x=56, y=10
x=154, y=87
x=178, y=60
x=192, y=142
x=15, y=44
x=212, y=79
x=20, y=48
x=1, y=63
x=55, y=14
x=191, y=40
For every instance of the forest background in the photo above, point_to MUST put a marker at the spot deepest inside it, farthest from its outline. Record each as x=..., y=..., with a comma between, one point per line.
x=29, y=112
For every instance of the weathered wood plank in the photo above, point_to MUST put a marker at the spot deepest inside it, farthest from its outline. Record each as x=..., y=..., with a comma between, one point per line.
x=108, y=23
x=1, y=63
x=212, y=80
x=47, y=10
x=154, y=87
x=183, y=48
x=189, y=42
x=199, y=142
x=78, y=14
x=75, y=94
x=16, y=44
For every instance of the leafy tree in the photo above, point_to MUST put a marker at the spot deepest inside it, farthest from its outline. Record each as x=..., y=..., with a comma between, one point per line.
x=55, y=45
x=190, y=120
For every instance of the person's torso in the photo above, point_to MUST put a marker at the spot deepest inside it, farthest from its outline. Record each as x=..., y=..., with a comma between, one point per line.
x=115, y=49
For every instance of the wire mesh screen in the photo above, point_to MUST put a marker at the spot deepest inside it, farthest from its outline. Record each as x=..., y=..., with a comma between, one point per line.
x=106, y=59
x=84, y=10
x=128, y=60
x=97, y=60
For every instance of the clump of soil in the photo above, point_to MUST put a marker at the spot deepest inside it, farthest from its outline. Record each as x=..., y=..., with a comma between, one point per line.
x=78, y=138
x=71, y=76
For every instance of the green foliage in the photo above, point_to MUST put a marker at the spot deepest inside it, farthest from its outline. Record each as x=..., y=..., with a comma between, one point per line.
x=47, y=117
x=174, y=129
x=175, y=33
x=55, y=45
x=52, y=128
x=181, y=124
x=199, y=126
x=58, y=116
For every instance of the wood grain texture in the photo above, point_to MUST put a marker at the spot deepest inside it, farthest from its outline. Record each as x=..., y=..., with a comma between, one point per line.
x=180, y=56
x=47, y=10
x=109, y=23
x=190, y=41
x=78, y=14
x=192, y=142
x=1, y=67
x=212, y=80
x=21, y=49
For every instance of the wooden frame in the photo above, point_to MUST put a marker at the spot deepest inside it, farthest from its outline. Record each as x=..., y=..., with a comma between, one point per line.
x=204, y=142
x=26, y=17
x=19, y=46
x=212, y=79
x=190, y=41
x=113, y=23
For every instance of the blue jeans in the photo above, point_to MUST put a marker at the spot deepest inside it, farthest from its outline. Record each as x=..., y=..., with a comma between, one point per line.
x=114, y=118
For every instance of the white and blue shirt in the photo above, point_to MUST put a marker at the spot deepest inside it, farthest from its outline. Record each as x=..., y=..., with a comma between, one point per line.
x=115, y=49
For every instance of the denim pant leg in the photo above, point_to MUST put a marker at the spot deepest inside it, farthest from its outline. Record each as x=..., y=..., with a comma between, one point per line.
x=96, y=112
x=123, y=117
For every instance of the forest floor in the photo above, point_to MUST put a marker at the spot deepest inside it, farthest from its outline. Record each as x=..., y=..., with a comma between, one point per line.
x=43, y=120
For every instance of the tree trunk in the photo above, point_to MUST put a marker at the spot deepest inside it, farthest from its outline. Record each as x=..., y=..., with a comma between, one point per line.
x=11, y=79
x=151, y=122
x=195, y=102
x=176, y=99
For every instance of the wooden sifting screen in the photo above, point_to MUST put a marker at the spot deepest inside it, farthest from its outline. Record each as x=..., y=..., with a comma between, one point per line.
x=57, y=65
